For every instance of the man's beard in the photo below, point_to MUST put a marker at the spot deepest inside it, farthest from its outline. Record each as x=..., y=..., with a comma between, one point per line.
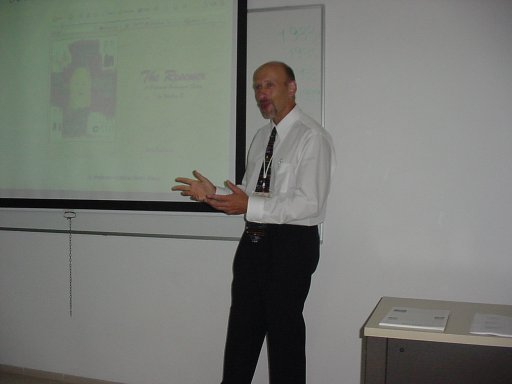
x=266, y=112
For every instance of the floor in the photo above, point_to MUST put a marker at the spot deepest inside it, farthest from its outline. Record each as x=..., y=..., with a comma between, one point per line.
x=11, y=378
x=16, y=376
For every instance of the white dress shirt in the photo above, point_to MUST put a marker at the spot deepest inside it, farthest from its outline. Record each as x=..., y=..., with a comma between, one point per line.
x=302, y=164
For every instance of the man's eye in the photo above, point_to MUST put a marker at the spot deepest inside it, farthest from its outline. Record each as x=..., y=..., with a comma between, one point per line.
x=258, y=87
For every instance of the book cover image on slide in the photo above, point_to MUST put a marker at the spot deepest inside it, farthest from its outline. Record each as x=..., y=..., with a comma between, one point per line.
x=83, y=86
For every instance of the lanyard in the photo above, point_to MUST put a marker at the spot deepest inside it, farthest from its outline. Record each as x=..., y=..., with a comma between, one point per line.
x=266, y=166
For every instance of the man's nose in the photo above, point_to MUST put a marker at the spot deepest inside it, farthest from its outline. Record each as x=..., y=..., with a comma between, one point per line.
x=260, y=94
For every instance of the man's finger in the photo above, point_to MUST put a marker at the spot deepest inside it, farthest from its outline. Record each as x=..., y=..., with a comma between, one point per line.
x=184, y=180
x=233, y=187
x=198, y=176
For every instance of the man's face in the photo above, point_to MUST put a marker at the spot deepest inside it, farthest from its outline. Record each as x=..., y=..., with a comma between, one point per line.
x=275, y=95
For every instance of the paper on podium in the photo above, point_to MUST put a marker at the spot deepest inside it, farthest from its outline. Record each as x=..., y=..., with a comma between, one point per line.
x=496, y=325
x=416, y=318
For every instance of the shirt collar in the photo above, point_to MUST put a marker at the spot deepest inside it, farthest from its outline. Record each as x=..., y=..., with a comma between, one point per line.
x=286, y=124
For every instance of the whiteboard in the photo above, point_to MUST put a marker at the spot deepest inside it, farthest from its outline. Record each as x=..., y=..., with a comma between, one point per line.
x=294, y=35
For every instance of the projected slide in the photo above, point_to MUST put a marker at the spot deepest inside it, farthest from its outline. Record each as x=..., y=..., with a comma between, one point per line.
x=114, y=99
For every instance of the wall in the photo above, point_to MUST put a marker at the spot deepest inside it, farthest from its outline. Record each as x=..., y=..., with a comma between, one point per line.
x=418, y=100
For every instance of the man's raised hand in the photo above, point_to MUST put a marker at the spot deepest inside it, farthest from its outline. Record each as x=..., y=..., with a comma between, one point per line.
x=197, y=189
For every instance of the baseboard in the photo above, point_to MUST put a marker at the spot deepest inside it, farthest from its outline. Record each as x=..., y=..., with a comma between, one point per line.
x=59, y=377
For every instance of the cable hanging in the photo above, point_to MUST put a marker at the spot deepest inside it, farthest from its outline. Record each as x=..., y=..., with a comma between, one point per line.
x=70, y=215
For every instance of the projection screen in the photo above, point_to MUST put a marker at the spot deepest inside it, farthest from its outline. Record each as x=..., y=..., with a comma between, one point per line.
x=104, y=102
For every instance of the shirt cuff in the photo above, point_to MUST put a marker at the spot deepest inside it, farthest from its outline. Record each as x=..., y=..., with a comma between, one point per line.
x=222, y=191
x=255, y=208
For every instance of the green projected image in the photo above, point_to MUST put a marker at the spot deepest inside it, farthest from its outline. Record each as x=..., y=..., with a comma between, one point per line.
x=114, y=99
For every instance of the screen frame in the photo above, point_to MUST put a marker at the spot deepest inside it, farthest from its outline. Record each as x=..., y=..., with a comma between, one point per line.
x=173, y=206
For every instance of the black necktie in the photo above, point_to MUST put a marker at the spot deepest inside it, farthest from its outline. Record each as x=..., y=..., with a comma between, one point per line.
x=263, y=184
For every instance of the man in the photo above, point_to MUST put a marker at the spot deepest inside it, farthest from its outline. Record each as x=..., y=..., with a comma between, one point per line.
x=283, y=197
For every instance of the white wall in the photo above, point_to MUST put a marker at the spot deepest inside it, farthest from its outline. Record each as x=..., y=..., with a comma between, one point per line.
x=419, y=102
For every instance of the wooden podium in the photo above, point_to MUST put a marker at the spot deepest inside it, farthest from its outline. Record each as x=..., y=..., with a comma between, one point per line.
x=394, y=355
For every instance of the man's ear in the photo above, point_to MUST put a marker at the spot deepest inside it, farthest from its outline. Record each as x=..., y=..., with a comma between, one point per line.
x=292, y=88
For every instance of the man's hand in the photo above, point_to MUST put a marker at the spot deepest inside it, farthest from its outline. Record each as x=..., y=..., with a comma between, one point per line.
x=197, y=188
x=233, y=204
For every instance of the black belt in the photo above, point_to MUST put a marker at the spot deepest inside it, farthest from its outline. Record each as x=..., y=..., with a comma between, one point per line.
x=256, y=231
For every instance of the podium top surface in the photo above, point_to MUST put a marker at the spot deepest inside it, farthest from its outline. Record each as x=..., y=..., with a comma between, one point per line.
x=457, y=329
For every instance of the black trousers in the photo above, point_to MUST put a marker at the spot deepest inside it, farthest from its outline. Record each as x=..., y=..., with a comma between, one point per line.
x=271, y=280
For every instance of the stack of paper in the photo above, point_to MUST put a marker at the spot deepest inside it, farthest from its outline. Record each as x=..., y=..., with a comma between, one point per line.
x=491, y=325
x=416, y=318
